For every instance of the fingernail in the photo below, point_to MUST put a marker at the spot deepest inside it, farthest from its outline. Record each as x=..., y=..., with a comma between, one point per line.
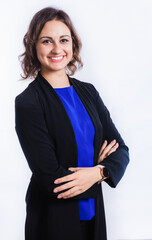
x=55, y=190
x=59, y=196
x=56, y=181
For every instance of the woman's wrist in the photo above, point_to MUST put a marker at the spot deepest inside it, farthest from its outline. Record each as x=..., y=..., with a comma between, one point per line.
x=98, y=174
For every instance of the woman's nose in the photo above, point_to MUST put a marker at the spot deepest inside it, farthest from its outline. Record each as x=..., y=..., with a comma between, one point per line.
x=56, y=48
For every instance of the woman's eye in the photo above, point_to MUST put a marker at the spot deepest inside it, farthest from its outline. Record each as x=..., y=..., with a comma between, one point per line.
x=64, y=40
x=46, y=41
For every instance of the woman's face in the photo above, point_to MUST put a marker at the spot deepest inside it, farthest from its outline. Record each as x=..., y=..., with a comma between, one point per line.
x=54, y=46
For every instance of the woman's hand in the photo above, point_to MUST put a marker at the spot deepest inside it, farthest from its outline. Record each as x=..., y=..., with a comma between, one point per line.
x=77, y=182
x=106, y=150
x=83, y=178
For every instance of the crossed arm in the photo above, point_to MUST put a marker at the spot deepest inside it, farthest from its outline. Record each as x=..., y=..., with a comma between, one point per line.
x=83, y=178
x=37, y=145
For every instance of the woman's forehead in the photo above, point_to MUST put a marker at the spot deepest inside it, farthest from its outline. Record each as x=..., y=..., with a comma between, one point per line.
x=55, y=28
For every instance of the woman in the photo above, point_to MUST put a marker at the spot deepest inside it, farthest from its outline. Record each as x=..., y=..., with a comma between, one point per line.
x=67, y=136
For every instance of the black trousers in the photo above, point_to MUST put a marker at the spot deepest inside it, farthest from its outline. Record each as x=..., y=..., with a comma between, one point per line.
x=87, y=229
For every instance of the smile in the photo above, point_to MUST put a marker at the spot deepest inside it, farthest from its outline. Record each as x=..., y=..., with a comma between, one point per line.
x=56, y=59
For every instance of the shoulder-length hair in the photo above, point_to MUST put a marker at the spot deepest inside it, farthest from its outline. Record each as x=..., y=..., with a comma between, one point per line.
x=30, y=63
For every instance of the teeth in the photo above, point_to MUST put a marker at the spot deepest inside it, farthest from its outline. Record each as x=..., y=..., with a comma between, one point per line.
x=57, y=58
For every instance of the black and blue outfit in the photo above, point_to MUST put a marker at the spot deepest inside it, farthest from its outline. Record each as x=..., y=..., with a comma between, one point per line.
x=58, y=129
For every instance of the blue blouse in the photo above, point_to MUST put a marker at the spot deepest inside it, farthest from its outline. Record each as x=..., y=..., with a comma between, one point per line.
x=84, y=133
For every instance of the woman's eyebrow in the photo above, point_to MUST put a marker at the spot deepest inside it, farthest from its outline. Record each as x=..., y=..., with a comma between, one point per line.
x=52, y=38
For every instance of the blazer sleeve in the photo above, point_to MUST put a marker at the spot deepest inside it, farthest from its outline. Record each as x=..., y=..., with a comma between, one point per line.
x=39, y=148
x=116, y=162
x=37, y=145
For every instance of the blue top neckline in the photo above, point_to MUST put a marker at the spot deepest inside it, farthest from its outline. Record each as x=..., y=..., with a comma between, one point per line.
x=63, y=88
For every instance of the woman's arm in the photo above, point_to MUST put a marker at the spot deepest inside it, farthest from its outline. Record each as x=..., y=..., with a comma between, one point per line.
x=83, y=178
x=37, y=145
x=117, y=161
x=39, y=148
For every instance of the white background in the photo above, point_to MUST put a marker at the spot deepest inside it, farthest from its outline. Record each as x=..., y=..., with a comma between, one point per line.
x=117, y=56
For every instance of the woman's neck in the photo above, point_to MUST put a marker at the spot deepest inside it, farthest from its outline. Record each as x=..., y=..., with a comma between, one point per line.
x=56, y=79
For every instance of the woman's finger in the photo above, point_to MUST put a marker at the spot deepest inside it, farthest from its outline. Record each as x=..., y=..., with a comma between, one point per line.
x=113, y=149
x=67, y=178
x=110, y=145
x=74, y=169
x=65, y=186
x=73, y=194
x=68, y=193
x=103, y=147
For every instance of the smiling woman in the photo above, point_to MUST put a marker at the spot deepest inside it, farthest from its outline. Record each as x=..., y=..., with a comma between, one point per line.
x=39, y=32
x=54, y=47
x=67, y=136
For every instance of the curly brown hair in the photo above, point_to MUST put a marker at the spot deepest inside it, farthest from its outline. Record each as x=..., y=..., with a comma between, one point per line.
x=30, y=63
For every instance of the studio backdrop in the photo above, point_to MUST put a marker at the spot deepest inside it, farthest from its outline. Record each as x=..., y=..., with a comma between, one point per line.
x=117, y=56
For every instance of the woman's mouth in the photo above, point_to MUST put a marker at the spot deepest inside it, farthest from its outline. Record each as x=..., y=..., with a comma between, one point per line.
x=56, y=59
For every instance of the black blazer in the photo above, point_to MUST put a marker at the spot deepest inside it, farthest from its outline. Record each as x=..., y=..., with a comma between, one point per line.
x=48, y=141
